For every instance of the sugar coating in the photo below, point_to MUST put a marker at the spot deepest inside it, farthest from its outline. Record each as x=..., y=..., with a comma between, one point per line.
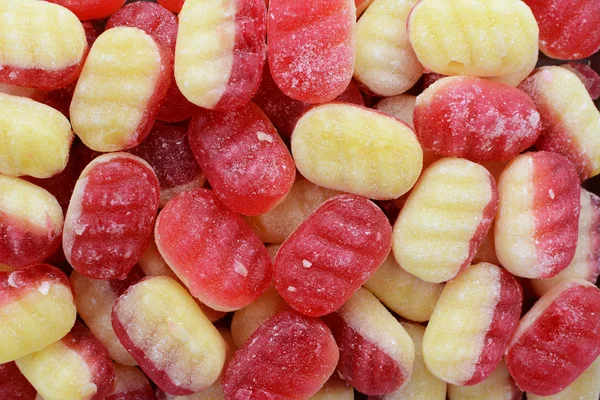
x=589, y=77
x=498, y=386
x=401, y=106
x=444, y=219
x=117, y=89
x=172, y=5
x=586, y=262
x=514, y=79
x=455, y=336
x=422, y=384
x=34, y=138
x=167, y=334
x=403, y=293
x=277, y=224
x=14, y=385
x=466, y=37
x=130, y=381
x=570, y=120
x=385, y=61
x=357, y=150
x=586, y=387
x=91, y=9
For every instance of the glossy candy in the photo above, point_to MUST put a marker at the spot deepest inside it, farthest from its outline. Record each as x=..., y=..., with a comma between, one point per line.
x=361, y=6
x=357, y=150
x=47, y=54
x=385, y=61
x=401, y=106
x=586, y=387
x=30, y=224
x=445, y=219
x=376, y=353
x=225, y=275
x=109, y=220
x=174, y=106
x=130, y=384
x=557, y=340
x=471, y=325
x=312, y=47
x=91, y=9
x=289, y=357
x=589, y=77
x=168, y=152
x=570, y=121
x=244, y=159
x=535, y=233
x=165, y=331
x=117, y=97
x=13, y=385
x=498, y=386
x=220, y=51
x=331, y=254
x=459, y=37
x=475, y=119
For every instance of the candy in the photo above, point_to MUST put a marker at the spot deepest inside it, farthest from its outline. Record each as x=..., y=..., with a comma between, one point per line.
x=445, y=219
x=586, y=387
x=276, y=225
x=586, y=262
x=172, y=5
x=357, y=150
x=130, y=384
x=535, y=233
x=289, y=357
x=568, y=28
x=47, y=54
x=331, y=254
x=463, y=38
x=471, y=324
x=557, y=340
x=109, y=221
x=225, y=275
x=220, y=51
x=312, y=47
x=334, y=389
x=164, y=330
x=475, y=119
x=117, y=97
x=30, y=224
x=245, y=161
x=376, y=353
x=95, y=299
x=589, y=77
x=385, y=61
x=487, y=250
x=174, y=106
x=514, y=79
x=401, y=106
x=570, y=121
x=91, y=9
x=499, y=385
x=34, y=138
x=168, y=152
x=13, y=385
x=403, y=293
x=361, y=6
x=421, y=384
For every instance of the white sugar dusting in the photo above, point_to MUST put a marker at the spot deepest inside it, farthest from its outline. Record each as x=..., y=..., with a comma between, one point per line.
x=291, y=289
x=240, y=268
x=551, y=194
x=264, y=137
x=11, y=280
x=306, y=264
x=89, y=389
x=44, y=288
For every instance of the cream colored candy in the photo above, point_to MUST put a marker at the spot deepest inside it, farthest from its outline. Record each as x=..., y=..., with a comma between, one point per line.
x=385, y=61
x=403, y=293
x=437, y=231
x=401, y=107
x=334, y=389
x=153, y=264
x=474, y=38
x=586, y=387
x=118, y=80
x=34, y=138
x=514, y=79
x=357, y=150
x=498, y=386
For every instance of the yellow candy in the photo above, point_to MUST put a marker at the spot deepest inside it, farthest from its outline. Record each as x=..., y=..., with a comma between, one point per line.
x=401, y=107
x=334, y=389
x=586, y=387
x=474, y=38
x=498, y=386
x=357, y=150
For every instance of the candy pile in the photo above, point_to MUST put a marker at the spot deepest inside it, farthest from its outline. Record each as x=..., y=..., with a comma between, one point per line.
x=390, y=207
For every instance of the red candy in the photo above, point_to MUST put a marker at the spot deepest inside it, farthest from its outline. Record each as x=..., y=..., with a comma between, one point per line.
x=130, y=384
x=13, y=385
x=172, y=5
x=311, y=47
x=167, y=151
x=91, y=9
x=289, y=357
x=224, y=274
x=588, y=76
x=109, y=221
x=175, y=107
x=244, y=159
x=331, y=254
x=475, y=119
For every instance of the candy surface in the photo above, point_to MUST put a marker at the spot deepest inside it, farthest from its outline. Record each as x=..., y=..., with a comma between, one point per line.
x=172, y=5
x=586, y=387
x=401, y=107
x=130, y=384
x=109, y=221
x=498, y=386
x=589, y=77
x=334, y=389
x=13, y=385
x=91, y=9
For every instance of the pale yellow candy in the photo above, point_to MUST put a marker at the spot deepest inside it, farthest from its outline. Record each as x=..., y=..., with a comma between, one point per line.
x=403, y=293
x=401, y=107
x=38, y=34
x=385, y=61
x=204, y=52
x=357, y=150
x=117, y=82
x=34, y=138
x=334, y=389
x=276, y=225
x=34, y=94
x=153, y=264
x=272, y=249
x=498, y=386
x=422, y=385
x=514, y=79
x=473, y=37
x=433, y=233
x=586, y=387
